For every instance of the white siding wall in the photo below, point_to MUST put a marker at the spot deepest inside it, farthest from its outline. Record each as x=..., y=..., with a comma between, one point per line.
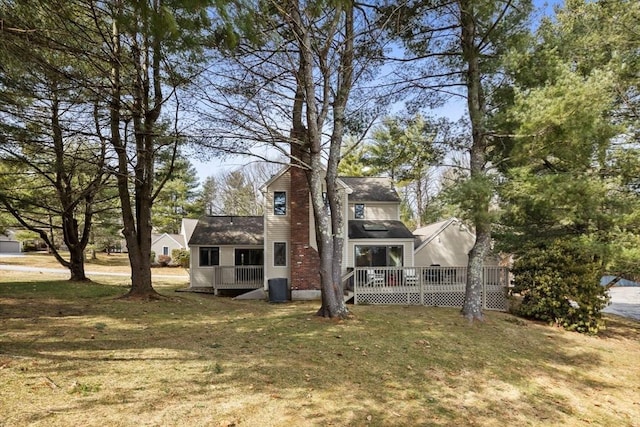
x=377, y=210
x=200, y=276
x=276, y=228
x=227, y=255
x=449, y=249
x=162, y=242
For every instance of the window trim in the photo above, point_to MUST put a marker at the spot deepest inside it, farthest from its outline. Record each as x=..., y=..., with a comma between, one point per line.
x=280, y=210
x=275, y=264
x=387, y=249
x=210, y=249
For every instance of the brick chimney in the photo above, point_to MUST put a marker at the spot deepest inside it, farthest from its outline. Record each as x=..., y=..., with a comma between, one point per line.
x=305, y=261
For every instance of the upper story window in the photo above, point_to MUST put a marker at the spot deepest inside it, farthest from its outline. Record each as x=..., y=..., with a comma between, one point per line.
x=358, y=211
x=209, y=256
x=279, y=203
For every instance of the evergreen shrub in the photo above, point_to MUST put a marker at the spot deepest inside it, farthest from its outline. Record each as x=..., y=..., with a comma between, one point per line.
x=560, y=284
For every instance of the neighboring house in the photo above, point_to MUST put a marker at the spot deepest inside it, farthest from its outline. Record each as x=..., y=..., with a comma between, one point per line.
x=165, y=243
x=283, y=241
x=447, y=244
x=8, y=243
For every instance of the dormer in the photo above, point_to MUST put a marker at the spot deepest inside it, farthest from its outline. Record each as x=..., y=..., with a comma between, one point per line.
x=372, y=198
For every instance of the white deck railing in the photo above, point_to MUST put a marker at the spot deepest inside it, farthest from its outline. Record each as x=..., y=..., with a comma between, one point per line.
x=433, y=286
x=238, y=277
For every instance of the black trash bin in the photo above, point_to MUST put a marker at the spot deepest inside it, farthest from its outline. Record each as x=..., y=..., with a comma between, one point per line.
x=278, y=290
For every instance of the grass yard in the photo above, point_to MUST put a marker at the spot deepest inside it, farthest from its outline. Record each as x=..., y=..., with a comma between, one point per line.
x=117, y=263
x=75, y=354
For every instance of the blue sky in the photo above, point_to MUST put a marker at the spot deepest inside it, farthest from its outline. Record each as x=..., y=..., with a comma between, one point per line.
x=452, y=110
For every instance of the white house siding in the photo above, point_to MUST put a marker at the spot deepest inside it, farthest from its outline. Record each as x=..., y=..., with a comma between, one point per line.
x=227, y=255
x=447, y=243
x=163, y=241
x=200, y=276
x=448, y=248
x=377, y=210
x=276, y=228
x=407, y=249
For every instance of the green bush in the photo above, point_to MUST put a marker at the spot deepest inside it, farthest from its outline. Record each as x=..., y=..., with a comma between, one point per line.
x=560, y=284
x=164, y=260
x=181, y=257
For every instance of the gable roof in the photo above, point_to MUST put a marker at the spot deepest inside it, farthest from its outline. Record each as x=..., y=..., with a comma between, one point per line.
x=274, y=177
x=371, y=189
x=187, y=227
x=175, y=237
x=285, y=169
x=228, y=230
x=378, y=229
x=426, y=234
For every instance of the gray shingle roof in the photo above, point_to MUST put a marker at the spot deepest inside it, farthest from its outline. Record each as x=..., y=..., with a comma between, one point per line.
x=378, y=229
x=371, y=189
x=228, y=230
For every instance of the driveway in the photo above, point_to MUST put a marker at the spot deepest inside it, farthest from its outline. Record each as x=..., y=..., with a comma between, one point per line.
x=625, y=301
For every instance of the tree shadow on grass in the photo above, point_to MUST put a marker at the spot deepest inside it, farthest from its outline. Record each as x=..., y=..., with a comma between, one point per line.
x=387, y=366
x=618, y=327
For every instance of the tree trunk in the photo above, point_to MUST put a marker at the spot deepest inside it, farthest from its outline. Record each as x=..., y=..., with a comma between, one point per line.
x=141, y=284
x=136, y=220
x=329, y=226
x=76, y=264
x=472, y=308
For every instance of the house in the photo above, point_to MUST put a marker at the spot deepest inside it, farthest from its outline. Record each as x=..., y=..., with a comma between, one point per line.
x=8, y=243
x=446, y=243
x=246, y=252
x=165, y=243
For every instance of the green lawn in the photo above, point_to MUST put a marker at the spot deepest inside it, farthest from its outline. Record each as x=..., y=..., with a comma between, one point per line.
x=76, y=354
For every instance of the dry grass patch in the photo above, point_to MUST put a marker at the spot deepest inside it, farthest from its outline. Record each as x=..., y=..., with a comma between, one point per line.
x=77, y=355
x=103, y=263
